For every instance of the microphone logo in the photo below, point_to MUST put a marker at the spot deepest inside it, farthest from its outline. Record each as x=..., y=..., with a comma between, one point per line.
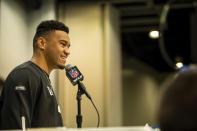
x=73, y=73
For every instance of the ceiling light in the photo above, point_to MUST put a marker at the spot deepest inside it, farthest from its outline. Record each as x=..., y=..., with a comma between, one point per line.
x=154, y=34
x=179, y=65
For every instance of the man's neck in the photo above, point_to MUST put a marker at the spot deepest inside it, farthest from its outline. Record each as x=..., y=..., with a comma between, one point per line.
x=38, y=60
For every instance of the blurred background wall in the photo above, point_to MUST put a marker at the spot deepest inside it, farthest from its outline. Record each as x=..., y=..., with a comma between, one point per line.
x=18, y=23
x=94, y=32
x=124, y=70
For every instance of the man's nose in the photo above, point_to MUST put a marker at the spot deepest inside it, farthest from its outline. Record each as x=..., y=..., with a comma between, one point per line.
x=67, y=51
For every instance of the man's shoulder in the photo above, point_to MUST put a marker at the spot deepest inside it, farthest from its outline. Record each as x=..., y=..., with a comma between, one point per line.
x=26, y=66
x=24, y=71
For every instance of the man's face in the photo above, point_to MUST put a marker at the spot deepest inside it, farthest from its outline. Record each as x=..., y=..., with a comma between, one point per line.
x=57, y=49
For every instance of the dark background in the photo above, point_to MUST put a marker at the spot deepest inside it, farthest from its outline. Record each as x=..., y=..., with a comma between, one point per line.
x=138, y=17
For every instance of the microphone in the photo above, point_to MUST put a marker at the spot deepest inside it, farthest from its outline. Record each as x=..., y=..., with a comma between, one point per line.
x=75, y=77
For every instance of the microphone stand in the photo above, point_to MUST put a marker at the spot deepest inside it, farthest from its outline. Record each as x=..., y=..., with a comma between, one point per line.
x=79, y=116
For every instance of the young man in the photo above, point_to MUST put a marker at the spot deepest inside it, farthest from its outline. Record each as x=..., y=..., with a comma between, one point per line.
x=27, y=91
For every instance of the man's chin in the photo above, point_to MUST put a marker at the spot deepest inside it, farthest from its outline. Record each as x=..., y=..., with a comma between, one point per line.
x=61, y=67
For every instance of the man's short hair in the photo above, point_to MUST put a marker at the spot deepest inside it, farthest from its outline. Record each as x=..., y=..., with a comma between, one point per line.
x=46, y=27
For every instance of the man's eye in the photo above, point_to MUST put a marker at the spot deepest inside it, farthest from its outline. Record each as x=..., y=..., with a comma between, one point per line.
x=63, y=44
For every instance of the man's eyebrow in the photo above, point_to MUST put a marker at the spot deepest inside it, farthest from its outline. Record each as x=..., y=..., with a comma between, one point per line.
x=64, y=41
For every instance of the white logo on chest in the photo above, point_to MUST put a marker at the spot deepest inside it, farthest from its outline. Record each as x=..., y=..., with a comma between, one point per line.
x=59, y=109
x=20, y=88
x=50, y=91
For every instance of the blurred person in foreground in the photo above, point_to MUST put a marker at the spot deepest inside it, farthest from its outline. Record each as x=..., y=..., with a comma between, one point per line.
x=27, y=91
x=178, y=107
x=1, y=84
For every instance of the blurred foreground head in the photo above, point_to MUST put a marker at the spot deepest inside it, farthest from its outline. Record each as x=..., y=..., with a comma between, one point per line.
x=1, y=84
x=178, y=107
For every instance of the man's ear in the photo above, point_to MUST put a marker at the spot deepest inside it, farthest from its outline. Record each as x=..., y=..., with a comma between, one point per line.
x=41, y=43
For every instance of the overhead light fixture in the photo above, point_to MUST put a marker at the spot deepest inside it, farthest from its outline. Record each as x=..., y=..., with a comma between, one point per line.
x=154, y=34
x=179, y=65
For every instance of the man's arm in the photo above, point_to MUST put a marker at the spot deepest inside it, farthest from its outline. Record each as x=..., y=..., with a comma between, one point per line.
x=18, y=100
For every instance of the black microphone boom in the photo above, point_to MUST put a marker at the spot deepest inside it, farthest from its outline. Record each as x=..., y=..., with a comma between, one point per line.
x=75, y=77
